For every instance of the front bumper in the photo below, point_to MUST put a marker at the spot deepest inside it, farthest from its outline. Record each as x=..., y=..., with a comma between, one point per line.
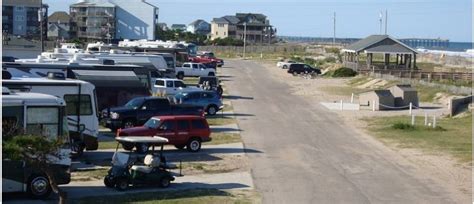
x=113, y=123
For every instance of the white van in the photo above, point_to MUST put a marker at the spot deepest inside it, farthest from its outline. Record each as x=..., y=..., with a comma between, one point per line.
x=81, y=106
x=36, y=114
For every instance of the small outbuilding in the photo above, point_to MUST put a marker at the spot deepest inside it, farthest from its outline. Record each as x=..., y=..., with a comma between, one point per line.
x=382, y=99
x=404, y=94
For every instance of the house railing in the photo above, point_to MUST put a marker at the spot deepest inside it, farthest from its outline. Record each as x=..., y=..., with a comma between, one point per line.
x=417, y=74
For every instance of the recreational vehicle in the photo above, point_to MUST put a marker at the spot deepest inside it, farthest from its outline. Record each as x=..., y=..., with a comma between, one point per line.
x=34, y=113
x=81, y=106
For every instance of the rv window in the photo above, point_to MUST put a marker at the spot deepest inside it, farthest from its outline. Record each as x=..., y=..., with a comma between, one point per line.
x=160, y=83
x=43, y=121
x=85, y=105
x=12, y=120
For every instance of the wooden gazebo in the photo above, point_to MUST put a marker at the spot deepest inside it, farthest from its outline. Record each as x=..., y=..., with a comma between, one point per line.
x=383, y=45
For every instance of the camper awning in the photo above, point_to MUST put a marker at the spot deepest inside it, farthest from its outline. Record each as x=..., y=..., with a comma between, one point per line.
x=101, y=78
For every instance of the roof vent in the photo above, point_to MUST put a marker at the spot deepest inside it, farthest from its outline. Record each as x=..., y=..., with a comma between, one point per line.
x=56, y=75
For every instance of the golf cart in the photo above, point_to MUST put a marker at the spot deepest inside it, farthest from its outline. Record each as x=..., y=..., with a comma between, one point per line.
x=211, y=83
x=126, y=168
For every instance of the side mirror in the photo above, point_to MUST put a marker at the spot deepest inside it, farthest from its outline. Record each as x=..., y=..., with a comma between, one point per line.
x=82, y=127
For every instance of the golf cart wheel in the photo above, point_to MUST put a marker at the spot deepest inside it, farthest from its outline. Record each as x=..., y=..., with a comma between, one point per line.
x=180, y=146
x=122, y=184
x=165, y=182
x=127, y=146
x=142, y=148
x=128, y=124
x=194, y=145
x=108, y=182
x=39, y=187
x=212, y=110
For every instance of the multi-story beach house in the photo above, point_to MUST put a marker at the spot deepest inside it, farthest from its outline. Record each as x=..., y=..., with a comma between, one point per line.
x=255, y=26
x=199, y=27
x=20, y=18
x=115, y=19
x=59, y=26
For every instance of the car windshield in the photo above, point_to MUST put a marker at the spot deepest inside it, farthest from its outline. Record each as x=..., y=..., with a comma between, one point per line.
x=153, y=123
x=134, y=103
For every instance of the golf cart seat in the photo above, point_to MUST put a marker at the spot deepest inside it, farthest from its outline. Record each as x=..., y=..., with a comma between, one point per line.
x=150, y=162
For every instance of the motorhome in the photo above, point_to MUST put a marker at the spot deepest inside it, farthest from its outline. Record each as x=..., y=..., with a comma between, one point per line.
x=34, y=113
x=115, y=84
x=81, y=106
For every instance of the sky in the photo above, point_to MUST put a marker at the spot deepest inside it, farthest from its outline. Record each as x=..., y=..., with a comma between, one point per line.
x=447, y=19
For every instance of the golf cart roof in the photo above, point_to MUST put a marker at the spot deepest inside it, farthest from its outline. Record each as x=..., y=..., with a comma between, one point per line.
x=142, y=139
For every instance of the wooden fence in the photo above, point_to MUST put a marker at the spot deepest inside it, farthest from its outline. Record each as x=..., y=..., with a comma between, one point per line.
x=415, y=74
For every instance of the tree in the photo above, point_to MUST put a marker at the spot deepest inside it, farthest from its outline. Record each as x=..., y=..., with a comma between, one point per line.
x=37, y=151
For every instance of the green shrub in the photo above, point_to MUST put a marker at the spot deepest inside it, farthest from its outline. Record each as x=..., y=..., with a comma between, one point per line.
x=344, y=72
x=403, y=126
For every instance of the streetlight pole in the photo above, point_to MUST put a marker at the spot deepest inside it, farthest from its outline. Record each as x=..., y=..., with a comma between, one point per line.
x=245, y=37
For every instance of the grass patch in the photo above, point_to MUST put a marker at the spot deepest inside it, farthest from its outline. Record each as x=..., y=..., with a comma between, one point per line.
x=452, y=136
x=224, y=138
x=206, y=168
x=97, y=174
x=194, y=196
x=219, y=120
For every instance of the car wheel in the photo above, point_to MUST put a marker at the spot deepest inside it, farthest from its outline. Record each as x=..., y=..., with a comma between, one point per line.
x=39, y=187
x=165, y=182
x=127, y=146
x=194, y=145
x=212, y=110
x=211, y=74
x=180, y=146
x=122, y=184
x=180, y=75
x=285, y=67
x=128, y=124
x=142, y=148
x=108, y=182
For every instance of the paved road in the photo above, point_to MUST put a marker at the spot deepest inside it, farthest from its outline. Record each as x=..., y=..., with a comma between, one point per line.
x=309, y=156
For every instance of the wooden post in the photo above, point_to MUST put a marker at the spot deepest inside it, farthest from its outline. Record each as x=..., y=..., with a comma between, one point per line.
x=405, y=59
x=413, y=66
x=413, y=120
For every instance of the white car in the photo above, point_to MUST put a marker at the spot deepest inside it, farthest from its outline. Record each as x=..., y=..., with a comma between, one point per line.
x=190, y=69
x=285, y=65
x=169, y=86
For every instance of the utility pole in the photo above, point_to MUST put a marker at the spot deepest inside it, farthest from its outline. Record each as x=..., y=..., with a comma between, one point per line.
x=40, y=19
x=386, y=21
x=245, y=37
x=380, y=20
x=334, y=36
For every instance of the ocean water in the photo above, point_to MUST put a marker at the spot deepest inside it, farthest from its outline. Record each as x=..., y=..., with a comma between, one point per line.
x=458, y=46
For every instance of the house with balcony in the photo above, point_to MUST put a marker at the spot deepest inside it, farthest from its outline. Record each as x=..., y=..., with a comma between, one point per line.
x=199, y=27
x=114, y=19
x=20, y=18
x=95, y=21
x=254, y=27
x=59, y=26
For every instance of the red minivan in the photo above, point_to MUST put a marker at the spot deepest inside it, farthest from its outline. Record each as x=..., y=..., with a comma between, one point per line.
x=181, y=130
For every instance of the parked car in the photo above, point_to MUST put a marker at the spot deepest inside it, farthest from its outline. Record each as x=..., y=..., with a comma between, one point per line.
x=285, y=65
x=207, y=58
x=190, y=69
x=181, y=131
x=138, y=110
x=302, y=68
x=209, y=100
x=172, y=86
x=211, y=83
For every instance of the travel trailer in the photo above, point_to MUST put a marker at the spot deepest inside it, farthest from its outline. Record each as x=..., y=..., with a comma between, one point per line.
x=81, y=106
x=34, y=113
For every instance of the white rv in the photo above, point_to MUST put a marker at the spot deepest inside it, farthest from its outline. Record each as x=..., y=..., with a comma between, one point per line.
x=34, y=113
x=81, y=106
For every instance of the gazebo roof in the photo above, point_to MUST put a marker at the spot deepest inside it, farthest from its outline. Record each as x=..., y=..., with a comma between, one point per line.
x=379, y=44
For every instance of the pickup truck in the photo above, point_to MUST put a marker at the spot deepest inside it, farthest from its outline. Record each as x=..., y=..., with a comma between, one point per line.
x=172, y=86
x=138, y=110
x=190, y=69
x=207, y=58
